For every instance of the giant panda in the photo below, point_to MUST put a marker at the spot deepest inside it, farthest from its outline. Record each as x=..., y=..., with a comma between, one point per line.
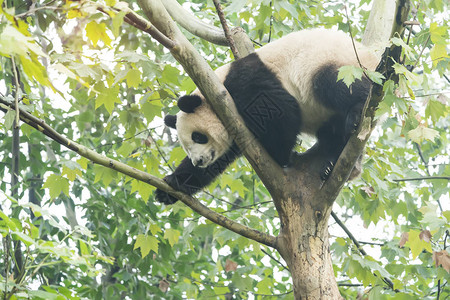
x=285, y=88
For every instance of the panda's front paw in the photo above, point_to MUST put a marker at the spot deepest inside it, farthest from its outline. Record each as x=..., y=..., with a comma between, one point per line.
x=326, y=170
x=164, y=197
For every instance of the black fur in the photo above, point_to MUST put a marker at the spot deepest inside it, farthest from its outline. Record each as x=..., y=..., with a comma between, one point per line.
x=347, y=103
x=189, y=103
x=268, y=110
x=273, y=116
x=171, y=121
x=190, y=179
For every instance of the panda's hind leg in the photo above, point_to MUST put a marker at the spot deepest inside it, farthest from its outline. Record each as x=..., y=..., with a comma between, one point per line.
x=337, y=96
x=347, y=103
x=332, y=137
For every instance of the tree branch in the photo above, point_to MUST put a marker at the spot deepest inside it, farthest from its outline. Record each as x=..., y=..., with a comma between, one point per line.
x=194, y=25
x=217, y=96
x=386, y=18
x=118, y=166
x=139, y=22
x=358, y=140
x=226, y=30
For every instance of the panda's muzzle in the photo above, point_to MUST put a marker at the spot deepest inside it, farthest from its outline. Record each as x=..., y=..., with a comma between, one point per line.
x=198, y=163
x=202, y=162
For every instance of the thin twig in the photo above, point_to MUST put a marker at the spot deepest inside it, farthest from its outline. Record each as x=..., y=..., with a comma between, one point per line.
x=358, y=245
x=274, y=259
x=16, y=96
x=353, y=41
x=348, y=233
x=139, y=22
x=422, y=178
x=271, y=22
x=159, y=150
x=32, y=11
x=226, y=30
x=421, y=52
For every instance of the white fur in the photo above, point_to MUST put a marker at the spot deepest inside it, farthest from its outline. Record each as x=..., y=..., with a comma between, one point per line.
x=205, y=121
x=295, y=59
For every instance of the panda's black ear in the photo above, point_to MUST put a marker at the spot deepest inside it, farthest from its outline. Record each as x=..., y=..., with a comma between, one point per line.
x=171, y=121
x=189, y=103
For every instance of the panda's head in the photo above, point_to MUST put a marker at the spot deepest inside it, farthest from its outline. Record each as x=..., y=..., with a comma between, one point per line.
x=201, y=134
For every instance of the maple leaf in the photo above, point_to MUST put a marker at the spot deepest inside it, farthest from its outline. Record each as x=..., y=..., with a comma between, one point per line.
x=403, y=239
x=425, y=235
x=442, y=258
x=230, y=265
x=164, y=285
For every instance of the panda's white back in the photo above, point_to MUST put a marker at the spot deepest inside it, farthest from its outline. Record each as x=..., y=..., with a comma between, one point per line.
x=296, y=57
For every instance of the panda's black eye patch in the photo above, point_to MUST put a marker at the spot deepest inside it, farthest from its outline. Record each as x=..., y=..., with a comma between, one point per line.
x=199, y=138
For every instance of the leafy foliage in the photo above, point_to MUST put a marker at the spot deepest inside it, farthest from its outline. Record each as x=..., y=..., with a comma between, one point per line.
x=76, y=230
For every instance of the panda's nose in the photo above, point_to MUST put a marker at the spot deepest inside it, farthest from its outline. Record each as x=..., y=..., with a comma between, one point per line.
x=198, y=162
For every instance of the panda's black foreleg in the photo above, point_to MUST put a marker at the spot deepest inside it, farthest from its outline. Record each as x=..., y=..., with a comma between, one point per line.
x=190, y=179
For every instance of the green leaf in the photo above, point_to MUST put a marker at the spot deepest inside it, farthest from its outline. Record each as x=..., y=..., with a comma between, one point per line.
x=177, y=155
x=221, y=290
x=154, y=229
x=235, y=6
x=171, y=74
x=410, y=76
x=83, y=162
x=56, y=185
x=264, y=286
x=104, y=174
x=107, y=96
x=38, y=294
x=348, y=74
x=376, y=293
x=375, y=76
x=84, y=248
x=234, y=184
x=447, y=215
x=151, y=109
x=288, y=7
x=436, y=110
x=144, y=189
x=172, y=235
x=133, y=78
x=9, y=223
x=9, y=119
x=117, y=21
x=71, y=173
x=15, y=43
x=146, y=243
x=27, y=240
x=438, y=34
x=438, y=53
x=96, y=32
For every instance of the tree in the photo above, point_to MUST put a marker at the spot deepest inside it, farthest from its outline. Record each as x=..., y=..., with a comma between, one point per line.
x=118, y=82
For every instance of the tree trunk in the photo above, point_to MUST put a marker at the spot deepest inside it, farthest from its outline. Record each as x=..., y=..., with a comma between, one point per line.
x=302, y=199
x=304, y=245
x=303, y=240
